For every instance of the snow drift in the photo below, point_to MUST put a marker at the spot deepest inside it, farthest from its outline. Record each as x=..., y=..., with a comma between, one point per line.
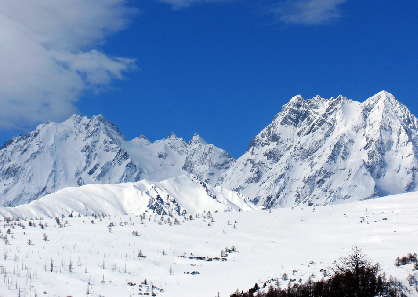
x=177, y=195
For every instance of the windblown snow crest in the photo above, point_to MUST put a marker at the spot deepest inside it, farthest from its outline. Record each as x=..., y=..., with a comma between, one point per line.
x=178, y=195
x=320, y=151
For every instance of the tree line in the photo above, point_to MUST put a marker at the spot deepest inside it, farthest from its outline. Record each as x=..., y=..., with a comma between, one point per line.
x=353, y=276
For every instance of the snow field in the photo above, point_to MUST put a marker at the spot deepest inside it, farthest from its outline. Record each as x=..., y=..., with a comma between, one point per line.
x=300, y=242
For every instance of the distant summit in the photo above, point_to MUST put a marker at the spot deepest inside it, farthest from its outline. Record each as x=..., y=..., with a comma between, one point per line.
x=83, y=151
x=197, y=140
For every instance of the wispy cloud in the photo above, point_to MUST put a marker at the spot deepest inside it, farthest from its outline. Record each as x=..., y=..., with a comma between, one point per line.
x=178, y=4
x=48, y=58
x=308, y=12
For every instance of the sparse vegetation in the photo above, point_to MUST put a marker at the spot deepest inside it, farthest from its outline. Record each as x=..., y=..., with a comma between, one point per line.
x=117, y=259
x=354, y=276
x=409, y=259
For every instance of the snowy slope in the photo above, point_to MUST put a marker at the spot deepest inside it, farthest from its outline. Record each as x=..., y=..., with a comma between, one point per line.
x=206, y=161
x=316, y=151
x=93, y=151
x=320, y=151
x=177, y=195
x=301, y=242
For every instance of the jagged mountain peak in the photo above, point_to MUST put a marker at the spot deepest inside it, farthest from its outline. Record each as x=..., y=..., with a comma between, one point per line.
x=315, y=151
x=296, y=100
x=320, y=151
x=382, y=95
x=100, y=123
x=172, y=136
x=83, y=151
x=98, y=117
x=81, y=125
x=176, y=143
x=388, y=113
x=383, y=102
x=201, y=155
x=143, y=138
x=76, y=118
x=317, y=102
x=197, y=139
x=307, y=115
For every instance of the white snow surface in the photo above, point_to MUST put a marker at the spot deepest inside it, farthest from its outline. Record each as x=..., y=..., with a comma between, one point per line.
x=327, y=151
x=83, y=151
x=315, y=152
x=299, y=241
x=174, y=195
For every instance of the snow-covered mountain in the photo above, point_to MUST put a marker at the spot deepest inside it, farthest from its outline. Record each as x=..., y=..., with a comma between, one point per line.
x=83, y=151
x=316, y=151
x=178, y=195
x=321, y=151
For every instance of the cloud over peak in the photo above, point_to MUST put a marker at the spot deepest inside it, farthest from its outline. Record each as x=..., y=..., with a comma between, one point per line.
x=48, y=56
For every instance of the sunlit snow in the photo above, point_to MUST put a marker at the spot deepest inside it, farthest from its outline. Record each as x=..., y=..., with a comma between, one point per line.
x=182, y=255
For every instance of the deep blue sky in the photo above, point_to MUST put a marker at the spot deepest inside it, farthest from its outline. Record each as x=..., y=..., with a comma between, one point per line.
x=224, y=69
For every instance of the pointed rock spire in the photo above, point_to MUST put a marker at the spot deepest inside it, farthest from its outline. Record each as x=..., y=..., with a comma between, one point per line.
x=172, y=136
x=141, y=139
x=197, y=139
x=382, y=96
x=296, y=100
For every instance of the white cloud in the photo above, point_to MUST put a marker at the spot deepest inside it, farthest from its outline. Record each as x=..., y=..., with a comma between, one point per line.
x=308, y=12
x=48, y=58
x=177, y=4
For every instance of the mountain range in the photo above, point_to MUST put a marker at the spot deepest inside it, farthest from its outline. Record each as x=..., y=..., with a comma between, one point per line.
x=83, y=151
x=315, y=152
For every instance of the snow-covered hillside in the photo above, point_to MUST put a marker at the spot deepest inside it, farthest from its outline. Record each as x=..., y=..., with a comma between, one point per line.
x=131, y=255
x=321, y=151
x=93, y=151
x=178, y=195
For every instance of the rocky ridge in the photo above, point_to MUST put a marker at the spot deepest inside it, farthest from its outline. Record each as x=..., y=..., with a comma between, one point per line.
x=321, y=151
x=83, y=151
x=316, y=151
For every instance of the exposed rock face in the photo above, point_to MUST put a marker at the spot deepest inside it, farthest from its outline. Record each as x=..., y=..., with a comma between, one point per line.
x=321, y=151
x=93, y=151
x=316, y=151
x=206, y=161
